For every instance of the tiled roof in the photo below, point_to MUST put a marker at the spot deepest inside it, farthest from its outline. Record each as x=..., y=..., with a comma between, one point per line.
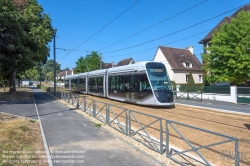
x=209, y=35
x=176, y=56
x=125, y=62
x=63, y=73
x=107, y=65
x=225, y=20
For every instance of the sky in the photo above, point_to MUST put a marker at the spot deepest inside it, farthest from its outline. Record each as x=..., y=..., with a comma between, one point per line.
x=120, y=29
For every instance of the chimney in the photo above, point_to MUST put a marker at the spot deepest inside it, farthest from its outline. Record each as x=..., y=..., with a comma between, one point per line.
x=191, y=49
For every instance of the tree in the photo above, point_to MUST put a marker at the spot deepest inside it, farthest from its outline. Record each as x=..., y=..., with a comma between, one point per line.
x=89, y=63
x=25, y=32
x=190, y=80
x=228, y=59
x=49, y=67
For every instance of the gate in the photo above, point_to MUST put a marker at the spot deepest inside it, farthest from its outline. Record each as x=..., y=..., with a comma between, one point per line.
x=243, y=95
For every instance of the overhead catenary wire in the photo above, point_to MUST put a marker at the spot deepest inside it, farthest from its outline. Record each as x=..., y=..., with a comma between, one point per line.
x=191, y=26
x=156, y=46
x=153, y=25
x=101, y=28
x=163, y=44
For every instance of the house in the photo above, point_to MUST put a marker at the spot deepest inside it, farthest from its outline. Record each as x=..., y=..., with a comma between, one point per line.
x=179, y=63
x=127, y=61
x=108, y=65
x=205, y=41
x=61, y=76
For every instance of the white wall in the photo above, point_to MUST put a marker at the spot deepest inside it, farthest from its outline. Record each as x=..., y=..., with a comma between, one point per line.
x=214, y=96
x=159, y=57
x=179, y=76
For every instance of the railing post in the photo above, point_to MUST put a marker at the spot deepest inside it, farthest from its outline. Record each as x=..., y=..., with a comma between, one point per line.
x=94, y=108
x=85, y=105
x=201, y=95
x=68, y=95
x=167, y=140
x=72, y=99
x=107, y=113
x=236, y=150
x=127, y=121
x=161, y=137
x=77, y=102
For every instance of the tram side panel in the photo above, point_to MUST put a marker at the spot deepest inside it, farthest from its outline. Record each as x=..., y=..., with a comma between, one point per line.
x=74, y=84
x=96, y=85
x=130, y=87
x=82, y=84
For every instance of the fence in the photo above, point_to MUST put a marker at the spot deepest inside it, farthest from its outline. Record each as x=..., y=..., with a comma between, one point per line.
x=243, y=95
x=130, y=123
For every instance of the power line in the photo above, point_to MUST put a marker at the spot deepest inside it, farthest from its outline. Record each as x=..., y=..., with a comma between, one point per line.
x=174, y=32
x=153, y=25
x=67, y=49
x=102, y=28
x=163, y=45
x=157, y=46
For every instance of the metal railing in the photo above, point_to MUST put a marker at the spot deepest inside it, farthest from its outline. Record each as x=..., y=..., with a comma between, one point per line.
x=189, y=95
x=140, y=133
x=195, y=148
x=129, y=123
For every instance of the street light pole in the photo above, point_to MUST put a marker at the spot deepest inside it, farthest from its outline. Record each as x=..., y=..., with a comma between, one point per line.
x=55, y=62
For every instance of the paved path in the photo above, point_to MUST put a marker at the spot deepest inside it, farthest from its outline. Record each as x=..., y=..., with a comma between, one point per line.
x=73, y=139
x=21, y=108
x=219, y=105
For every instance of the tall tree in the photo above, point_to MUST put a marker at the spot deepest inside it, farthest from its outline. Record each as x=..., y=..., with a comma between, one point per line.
x=190, y=81
x=228, y=59
x=49, y=68
x=89, y=63
x=25, y=32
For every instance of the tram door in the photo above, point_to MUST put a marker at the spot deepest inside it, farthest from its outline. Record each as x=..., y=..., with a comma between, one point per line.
x=130, y=87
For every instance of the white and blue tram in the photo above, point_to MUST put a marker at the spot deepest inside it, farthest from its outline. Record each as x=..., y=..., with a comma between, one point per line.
x=144, y=83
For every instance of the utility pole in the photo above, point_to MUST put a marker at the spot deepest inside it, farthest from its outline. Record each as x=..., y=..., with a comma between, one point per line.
x=55, y=62
x=100, y=60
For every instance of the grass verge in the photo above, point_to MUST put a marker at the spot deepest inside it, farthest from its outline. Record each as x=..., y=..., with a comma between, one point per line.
x=20, y=142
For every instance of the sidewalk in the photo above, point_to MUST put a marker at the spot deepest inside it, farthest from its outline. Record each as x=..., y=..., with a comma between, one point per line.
x=73, y=139
x=217, y=105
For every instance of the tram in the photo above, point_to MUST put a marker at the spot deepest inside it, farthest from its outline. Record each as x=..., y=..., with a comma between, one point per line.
x=143, y=83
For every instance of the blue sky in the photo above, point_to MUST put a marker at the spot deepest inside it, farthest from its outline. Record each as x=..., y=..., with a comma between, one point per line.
x=78, y=20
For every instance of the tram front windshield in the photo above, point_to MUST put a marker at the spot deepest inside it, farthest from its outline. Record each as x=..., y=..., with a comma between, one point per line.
x=158, y=77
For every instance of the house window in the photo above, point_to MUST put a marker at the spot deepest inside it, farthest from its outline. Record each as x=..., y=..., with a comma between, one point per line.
x=187, y=77
x=188, y=64
x=200, y=78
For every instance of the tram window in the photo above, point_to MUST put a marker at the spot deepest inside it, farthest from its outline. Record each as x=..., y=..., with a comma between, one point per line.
x=96, y=84
x=66, y=83
x=143, y=83
x=82, y=84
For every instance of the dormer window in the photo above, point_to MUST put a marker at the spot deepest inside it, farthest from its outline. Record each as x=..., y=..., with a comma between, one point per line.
x=187, y=64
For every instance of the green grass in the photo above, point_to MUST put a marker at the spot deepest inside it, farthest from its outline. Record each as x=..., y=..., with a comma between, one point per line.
x=98, y=125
